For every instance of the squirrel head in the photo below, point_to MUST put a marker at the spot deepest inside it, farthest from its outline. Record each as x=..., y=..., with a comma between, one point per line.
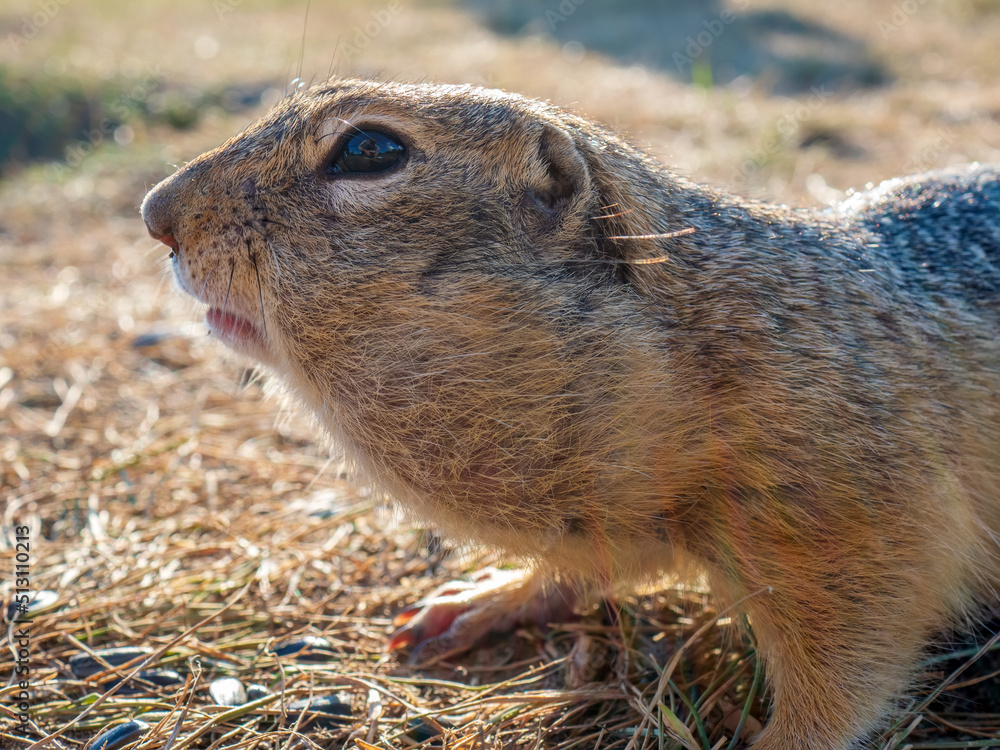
x=359, y=182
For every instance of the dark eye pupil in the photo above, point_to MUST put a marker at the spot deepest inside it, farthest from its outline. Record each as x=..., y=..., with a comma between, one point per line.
x=367, y=151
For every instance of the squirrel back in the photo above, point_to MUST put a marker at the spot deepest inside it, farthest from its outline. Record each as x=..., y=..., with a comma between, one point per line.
x=943, y=231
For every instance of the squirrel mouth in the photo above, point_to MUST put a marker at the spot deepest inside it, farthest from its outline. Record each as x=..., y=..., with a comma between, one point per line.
x=237, y=332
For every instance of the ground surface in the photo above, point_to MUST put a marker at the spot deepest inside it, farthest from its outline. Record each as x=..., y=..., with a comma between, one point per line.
x=157, y=482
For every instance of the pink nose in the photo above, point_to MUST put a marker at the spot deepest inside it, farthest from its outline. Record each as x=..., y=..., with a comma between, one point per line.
x=158, y=212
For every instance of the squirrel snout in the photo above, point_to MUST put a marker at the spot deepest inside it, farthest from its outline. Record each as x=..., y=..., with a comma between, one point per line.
x=158, y=216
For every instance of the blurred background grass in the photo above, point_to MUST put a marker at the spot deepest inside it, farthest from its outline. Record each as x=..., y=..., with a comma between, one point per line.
x=120, y=422
x=793, y=88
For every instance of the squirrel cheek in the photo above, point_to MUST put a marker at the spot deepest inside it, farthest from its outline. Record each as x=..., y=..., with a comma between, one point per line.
x=353, y=197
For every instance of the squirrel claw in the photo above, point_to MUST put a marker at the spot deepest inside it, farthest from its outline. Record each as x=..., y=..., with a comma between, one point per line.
x=427, y=619
x=457, y=614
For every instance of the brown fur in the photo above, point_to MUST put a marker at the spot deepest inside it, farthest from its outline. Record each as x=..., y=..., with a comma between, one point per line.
x=799, y=400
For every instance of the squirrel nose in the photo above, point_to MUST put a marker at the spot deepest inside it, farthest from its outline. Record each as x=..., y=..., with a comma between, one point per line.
x=158, y=216
x=166, y=239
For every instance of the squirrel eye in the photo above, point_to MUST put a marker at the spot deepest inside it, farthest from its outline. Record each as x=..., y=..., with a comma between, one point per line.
x=366, y=151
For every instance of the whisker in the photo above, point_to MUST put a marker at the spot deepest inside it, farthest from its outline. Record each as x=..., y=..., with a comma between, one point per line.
x=648, y=261
x=274, y=258
x=274, y=255
x=270, y=245
x=260, y=291
x=597, y=262
x=232, y=270
x=662, y=236
x=611, y=216
x=258, y=227
x=302, y=44
x=346, y=122
x=333, y=59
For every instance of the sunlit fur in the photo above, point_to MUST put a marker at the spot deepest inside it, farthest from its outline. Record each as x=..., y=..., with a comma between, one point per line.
x=792, y=399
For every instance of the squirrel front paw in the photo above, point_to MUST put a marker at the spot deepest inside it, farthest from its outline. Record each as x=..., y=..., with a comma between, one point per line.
x=458, y=614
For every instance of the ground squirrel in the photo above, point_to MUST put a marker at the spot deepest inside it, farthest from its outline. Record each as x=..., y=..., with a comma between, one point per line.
x=535, y=336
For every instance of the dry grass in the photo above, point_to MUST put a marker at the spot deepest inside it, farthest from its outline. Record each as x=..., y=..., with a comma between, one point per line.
x=174, y=506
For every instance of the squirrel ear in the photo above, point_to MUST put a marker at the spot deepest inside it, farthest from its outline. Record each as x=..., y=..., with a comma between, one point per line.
x=564, y=172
